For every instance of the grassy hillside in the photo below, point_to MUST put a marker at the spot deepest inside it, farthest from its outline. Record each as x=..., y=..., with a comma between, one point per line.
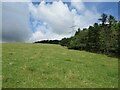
x=0, y=65
x=44, y=65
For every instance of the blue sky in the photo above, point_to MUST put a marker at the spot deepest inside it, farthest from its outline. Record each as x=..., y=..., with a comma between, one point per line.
x=39, y=21
x=105, y=7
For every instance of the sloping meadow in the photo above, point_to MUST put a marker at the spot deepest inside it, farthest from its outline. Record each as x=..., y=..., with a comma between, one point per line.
x=26, y=65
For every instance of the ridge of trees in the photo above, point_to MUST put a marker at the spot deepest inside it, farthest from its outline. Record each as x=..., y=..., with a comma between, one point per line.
x=99, y=38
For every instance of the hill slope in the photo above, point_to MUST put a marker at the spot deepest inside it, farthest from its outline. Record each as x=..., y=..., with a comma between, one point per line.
x=44, y=65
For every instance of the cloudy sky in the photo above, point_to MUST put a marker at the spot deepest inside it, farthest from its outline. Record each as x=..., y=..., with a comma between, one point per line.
x=32, y=21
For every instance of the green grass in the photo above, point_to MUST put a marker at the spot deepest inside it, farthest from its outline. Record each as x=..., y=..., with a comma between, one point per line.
x=0, y=65
x=52, y=66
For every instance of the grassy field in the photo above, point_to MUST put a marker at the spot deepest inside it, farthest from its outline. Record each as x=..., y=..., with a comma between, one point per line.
x=54, y=66
x=0, y=65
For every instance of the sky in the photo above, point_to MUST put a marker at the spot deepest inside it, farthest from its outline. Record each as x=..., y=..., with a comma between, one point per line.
x=34, y=21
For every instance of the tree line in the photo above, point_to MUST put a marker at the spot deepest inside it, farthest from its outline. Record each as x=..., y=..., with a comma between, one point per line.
x=49, y=41
x=100, y=38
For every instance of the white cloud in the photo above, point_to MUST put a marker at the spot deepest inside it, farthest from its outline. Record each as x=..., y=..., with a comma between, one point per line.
x=38, y=35
x=15, y=22
x=59, y=18
x=86, y=19
x=42, y=33
x=87, y=16
x=78, y=4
